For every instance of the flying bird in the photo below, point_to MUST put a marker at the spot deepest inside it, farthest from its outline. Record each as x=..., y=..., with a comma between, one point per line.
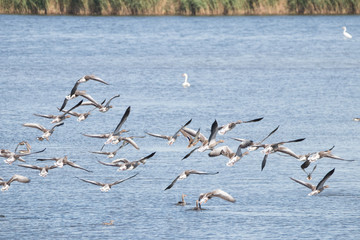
x=229, y=126
x=105, y=187
x=46, y=132
x=15, y=177
x=316, y=189
x=171, y=139
x=43, y=170
x=124, y=164
x=60, y=162
x=204, y=197
x=185, y=174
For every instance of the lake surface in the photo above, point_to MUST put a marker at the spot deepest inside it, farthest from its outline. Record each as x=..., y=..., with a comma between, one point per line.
x=294, y=71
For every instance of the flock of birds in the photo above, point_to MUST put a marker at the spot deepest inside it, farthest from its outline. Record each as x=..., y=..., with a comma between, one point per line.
x=197, y=141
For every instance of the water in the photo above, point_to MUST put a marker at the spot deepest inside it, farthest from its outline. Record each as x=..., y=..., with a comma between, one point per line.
x=296, y=72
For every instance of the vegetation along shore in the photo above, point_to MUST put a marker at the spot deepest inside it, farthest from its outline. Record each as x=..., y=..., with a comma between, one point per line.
x=179, y=7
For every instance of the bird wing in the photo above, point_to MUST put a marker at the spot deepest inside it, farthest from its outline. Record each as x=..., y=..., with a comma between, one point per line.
x=270, y=134
x=92, y=182
x=25, y=154
x=100, y=152
x=201, y=173
x=74, y=165
x=188, y=155
x=122, y=180
x=30, y=166
x=45, y=116
x=113, y=164
x=68, y=111
x=97, y=135
x=35, y=125
x=56, y=125
x=92, y=77
x=187, y=123
x=143, y=160
x=88, y=97
x=131, y=141
x=264, y=162
x=254, y=120
x=296, y=140
x=308, y=185
x=123, y=119
x=64, y=103
x=158, y=135
x=108, y=103
x=46, y=159
x=172, y=183
x=18, y=178
x=321, y=183
x=287, y=151
x=221, y=194
x=73, y=90
x=214, y=129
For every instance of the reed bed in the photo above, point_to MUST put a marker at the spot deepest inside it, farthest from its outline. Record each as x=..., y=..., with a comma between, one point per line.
x=179, y=7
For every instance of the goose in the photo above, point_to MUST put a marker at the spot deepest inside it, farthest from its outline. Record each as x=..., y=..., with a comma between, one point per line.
x=47, y=132
x=227, y=152
x=113, y=153
x=185, y=84
x=15, y=177
x=316, y=189
x=43, y=170
x=207, y=143
x=313, y=157
x=107, y=106
x=250, y=144
x=61, y=117
x=277, y=147
x=171, y=139
x=229, y=126
x=346, y=34
x=124, y=164
x=83, y=80
x=182, y=202
x=114, y=135
x=13, y=156
x=80, y=116
x=60, y=162
x=82, y=94
x=185, y=174
x=204, y=197
x=105, y=187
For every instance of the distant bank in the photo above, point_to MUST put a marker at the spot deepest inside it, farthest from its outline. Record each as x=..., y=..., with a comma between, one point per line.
x=179, y=7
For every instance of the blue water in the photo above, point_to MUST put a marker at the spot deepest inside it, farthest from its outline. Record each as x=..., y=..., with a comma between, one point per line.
x=296, y=72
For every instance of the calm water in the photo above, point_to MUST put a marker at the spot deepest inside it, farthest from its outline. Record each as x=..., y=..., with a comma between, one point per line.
x=296, y=72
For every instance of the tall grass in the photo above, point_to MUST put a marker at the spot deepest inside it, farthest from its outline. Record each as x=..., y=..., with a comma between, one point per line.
x=179, y=7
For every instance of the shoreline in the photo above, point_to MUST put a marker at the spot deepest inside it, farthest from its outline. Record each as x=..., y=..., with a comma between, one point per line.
x=179, y=7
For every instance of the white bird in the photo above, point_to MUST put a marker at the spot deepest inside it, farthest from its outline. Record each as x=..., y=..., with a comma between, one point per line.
x=346, y=34
x=15, y=177
x=227, y=127
x=185, y=174
x=106, y=186
x=316, y=189
x=185, y=84
x=43, y=170
x=171, y=139
x=60, y=162
x=47, y=132
x=204, y=197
